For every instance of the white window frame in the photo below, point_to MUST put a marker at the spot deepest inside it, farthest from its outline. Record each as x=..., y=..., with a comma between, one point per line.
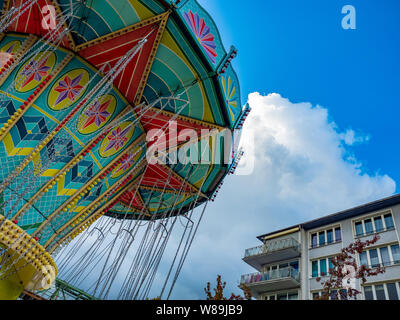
x=312, y=293
x=319, y=266
x=332, y=227
x=269, y=266
x=275, y=294
x=385, y=289
x=320, y=292
x=380, y=261
x=382, y=214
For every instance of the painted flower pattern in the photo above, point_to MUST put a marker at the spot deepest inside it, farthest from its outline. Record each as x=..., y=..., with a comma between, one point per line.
x=230, y=98
x=68, y=88
x=35, y=70
x=97, y=114
x=10, y=49
x=117, y=138
x=127, y=163
x=203, y=34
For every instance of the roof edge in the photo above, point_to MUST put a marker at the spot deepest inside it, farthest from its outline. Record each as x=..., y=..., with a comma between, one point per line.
x=341, y=215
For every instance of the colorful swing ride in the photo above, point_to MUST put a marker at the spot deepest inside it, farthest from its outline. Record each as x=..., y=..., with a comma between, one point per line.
x=86, y=89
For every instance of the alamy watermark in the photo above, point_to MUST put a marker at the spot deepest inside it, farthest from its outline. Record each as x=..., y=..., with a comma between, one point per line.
x=42, y=280
x=49, y=17
x=4, y=58
x=349, y=21
x=191, y=147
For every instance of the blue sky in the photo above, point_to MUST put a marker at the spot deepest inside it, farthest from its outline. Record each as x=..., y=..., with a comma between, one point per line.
x=299, y=49
x=326, y=140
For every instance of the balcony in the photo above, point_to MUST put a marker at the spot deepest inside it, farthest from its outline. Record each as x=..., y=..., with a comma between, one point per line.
x=272, y=251
x=275, y=280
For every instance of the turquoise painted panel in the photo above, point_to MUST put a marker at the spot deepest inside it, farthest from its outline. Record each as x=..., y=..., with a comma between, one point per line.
x=204, y=30
x=98, y=18
x=231, y=90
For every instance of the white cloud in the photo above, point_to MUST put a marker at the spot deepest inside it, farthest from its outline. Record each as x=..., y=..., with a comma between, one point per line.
x=350, y=137
x=303, y=169
x=306, y=160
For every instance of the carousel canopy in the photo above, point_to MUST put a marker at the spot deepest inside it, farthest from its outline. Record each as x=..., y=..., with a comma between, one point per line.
x=84, y=84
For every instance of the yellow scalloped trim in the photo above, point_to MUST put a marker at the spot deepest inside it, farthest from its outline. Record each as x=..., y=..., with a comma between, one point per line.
x=33, y=259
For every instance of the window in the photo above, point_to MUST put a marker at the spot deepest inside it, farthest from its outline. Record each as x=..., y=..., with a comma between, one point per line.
x=395, y=253
x=330, y=264
x=315, y=269
x=335, y=294
x=378, y=224
x=385, y=256
x=295, y=265
x=373, y=255
x=338, y=234
x=283, y=270
x=382, y=291
x=368, y=293
x=392, y=291
x=321, y=267
x=326, y=237
x=359, y=229
x=322, y=238
x=293, y=296
x=375, y=224
x=364, y=258
x=283, y=296
x=315, y=295
x=343, y=294
x=314, y=240
x=389, y=221
x=329, y=235
x=273, y=273
x=368, y=226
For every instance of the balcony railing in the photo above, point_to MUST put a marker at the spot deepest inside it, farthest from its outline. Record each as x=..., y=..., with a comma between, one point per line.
x=283, y=273
x=272, y=246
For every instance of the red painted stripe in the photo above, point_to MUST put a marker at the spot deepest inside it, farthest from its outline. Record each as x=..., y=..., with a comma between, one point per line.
x=157, y=176
x=110, y=51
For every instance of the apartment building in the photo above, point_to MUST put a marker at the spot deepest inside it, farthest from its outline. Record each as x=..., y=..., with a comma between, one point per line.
x=290, y=260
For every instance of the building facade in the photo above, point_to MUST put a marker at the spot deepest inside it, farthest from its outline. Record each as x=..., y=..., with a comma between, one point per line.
x=290, y=260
